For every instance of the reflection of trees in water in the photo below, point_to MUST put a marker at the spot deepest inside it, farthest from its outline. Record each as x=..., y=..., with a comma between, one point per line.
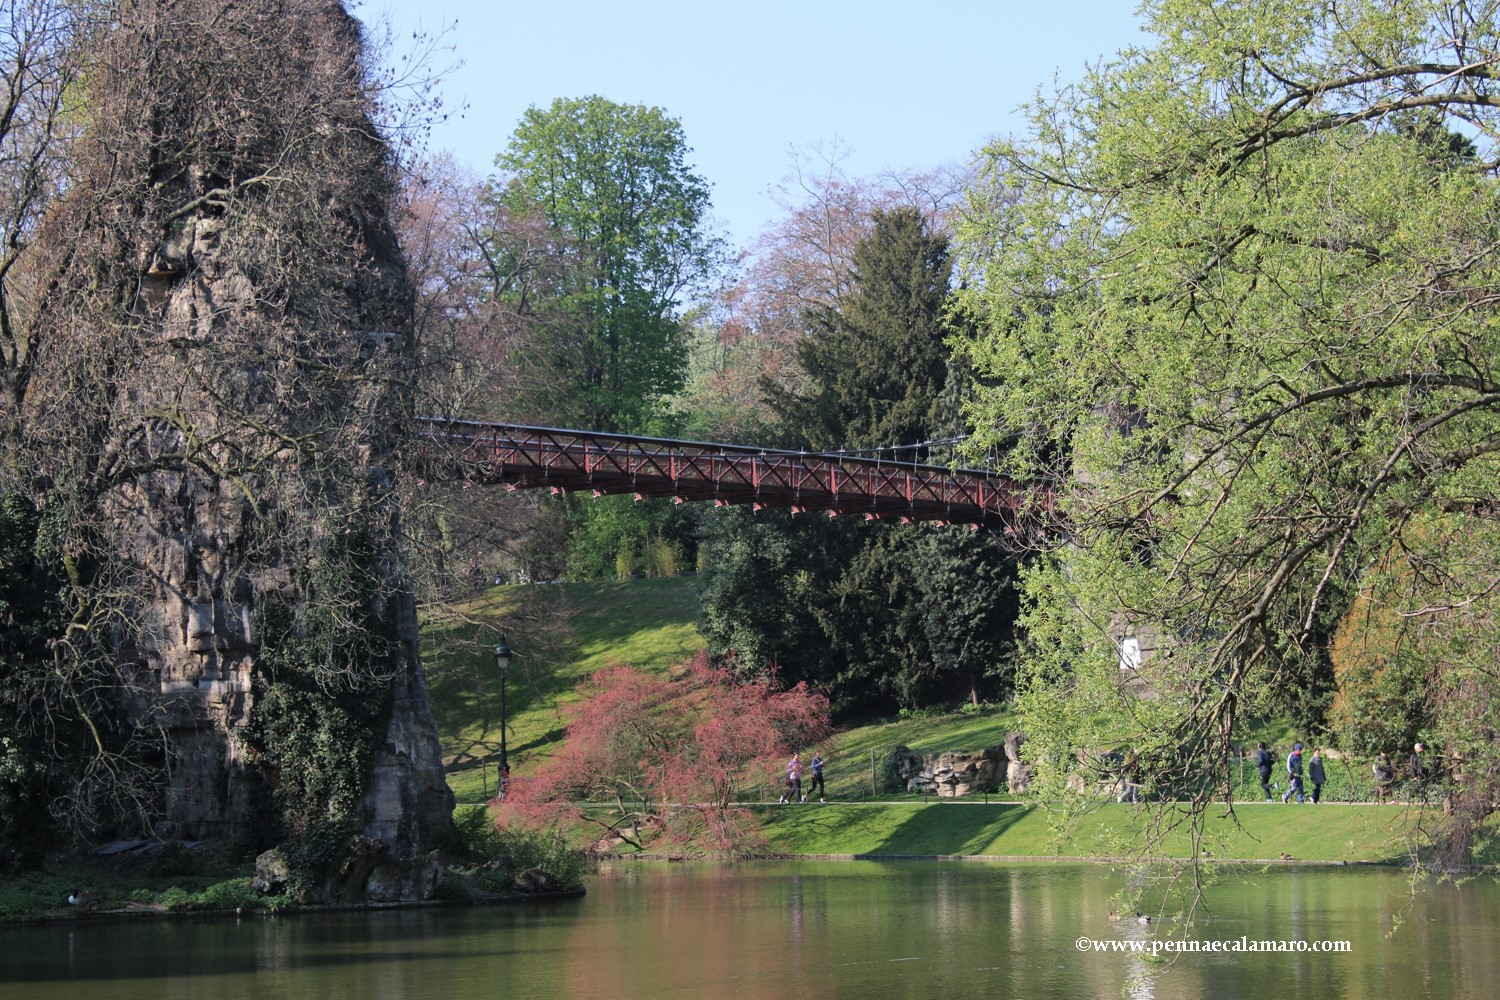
x=812, y=929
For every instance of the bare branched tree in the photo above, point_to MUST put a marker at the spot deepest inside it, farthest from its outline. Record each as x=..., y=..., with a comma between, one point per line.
x=41, y=60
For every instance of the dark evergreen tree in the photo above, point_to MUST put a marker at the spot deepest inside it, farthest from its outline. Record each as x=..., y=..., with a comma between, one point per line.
x=885, y=615
x=924, y=615
x=768, y=594
x=878, y=364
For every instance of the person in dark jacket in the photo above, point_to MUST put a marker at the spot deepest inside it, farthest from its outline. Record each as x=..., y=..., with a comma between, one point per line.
x=1315, y=773
x=1418, y=766
x=1263, y=763
x=817, y=787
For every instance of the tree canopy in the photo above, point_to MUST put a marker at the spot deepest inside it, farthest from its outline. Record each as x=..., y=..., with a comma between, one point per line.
x=884, y=615
x=877, y=361
x=613, y=183
x=1236, y=297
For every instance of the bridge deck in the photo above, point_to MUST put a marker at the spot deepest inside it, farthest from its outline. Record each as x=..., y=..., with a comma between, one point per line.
x=524, y=457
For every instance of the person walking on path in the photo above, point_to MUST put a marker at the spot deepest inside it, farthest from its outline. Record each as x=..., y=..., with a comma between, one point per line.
x=793, y=779
x=1315, y=774
x=1263, y=763
x=1294, y=772
x=816, y=787
x=1385, y=774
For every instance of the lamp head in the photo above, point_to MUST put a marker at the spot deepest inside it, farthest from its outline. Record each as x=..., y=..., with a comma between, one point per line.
x=502, y=653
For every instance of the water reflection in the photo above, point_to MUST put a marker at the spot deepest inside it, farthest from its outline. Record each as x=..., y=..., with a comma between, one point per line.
x=806, y=929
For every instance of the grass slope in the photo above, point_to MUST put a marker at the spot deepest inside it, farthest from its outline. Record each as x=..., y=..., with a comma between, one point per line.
x=649, y=624
x=561, y=633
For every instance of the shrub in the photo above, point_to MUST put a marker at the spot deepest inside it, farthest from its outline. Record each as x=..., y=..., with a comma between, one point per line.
x=472, y=837
x=890, y=768
x=475, y=838
x=452, y=889
x=231, y=894
x=663, y=558
x=698, y=736
x=23, y=831
x=176, y=899
x=495, y=880
x=546, y=850
x=316, y=853
x=625, y=562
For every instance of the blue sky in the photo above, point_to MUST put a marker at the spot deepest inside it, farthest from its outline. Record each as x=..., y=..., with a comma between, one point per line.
x=899, y=86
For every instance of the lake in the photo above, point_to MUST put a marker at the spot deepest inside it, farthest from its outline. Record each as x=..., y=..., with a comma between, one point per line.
x=863, y=929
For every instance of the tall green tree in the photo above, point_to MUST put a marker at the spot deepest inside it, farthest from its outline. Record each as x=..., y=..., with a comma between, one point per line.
x=877, y=362
x=613, y=183
x=1246, y=276
x=887, y=616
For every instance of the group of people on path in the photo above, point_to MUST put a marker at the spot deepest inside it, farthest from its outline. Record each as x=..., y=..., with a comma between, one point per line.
x=1385, y=772
x=1296, y=772
x=794, y=771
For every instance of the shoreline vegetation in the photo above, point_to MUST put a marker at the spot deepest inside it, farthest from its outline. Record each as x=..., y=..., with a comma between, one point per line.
x=951, y=831
x=649, y=624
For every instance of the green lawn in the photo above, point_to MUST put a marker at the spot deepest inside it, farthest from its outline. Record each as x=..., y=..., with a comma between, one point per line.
x=1355, y=833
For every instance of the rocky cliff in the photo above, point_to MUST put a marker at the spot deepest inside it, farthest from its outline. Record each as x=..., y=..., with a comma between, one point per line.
x=225, y=387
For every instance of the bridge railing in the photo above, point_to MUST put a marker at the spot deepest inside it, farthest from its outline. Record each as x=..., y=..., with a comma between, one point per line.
x=529, y=457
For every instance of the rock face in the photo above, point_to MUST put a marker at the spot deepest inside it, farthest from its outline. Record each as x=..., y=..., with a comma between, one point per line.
x=1017, y=773
x=408, y=797
x=218, y=560
x=954, y=774
x=239, y=444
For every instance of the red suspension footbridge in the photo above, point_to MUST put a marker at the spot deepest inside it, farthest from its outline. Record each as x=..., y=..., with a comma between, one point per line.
x=525, y=457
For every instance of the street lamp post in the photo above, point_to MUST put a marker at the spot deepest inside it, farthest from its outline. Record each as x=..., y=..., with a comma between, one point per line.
x=502, y=663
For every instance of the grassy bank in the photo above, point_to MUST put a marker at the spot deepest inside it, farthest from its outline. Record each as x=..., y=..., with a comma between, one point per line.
x=174, y=880
x=1354, y=833
x=650, y=624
